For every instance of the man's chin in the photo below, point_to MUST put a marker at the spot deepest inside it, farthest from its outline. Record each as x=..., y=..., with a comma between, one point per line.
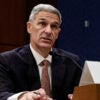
x=46, y=46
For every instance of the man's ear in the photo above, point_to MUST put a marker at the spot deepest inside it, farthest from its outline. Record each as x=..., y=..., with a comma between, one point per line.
x=59, y=30
x=58, y=33
x=29, y=27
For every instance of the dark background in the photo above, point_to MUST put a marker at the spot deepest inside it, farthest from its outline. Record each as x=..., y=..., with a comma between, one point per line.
x=80, y=28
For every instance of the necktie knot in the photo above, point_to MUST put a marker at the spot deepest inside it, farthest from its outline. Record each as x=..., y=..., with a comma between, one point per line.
x=45, y=63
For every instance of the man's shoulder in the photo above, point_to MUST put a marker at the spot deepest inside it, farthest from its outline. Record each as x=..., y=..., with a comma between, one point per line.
x=15, y=55
x=68, y=57
x=64, y=53
x=16, y=51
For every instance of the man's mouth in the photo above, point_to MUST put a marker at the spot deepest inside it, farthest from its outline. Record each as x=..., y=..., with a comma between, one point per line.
x=46, y=39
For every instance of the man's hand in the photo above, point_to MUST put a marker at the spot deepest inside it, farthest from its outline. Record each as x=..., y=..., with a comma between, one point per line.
x=70, y=96
x=35, y=95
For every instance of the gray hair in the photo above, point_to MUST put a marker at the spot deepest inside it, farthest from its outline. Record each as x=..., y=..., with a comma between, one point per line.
x=44, y=7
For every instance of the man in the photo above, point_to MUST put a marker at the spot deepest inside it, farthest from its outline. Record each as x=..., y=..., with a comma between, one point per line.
x=21, y=70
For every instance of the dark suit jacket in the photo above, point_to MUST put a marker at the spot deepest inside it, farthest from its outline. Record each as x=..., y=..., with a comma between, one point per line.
x=19, y=72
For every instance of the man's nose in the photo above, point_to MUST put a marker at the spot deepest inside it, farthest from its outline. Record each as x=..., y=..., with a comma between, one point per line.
x=48, y=29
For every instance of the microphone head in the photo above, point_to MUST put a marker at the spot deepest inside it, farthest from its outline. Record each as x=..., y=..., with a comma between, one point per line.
x=51, y=53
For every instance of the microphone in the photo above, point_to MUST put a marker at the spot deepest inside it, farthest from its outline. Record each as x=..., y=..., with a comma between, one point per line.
x=51, y=53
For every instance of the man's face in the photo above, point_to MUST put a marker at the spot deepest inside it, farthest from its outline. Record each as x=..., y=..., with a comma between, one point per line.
x=44, y=30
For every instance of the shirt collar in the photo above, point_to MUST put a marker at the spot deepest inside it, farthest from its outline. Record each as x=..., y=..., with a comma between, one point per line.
x=38, y=57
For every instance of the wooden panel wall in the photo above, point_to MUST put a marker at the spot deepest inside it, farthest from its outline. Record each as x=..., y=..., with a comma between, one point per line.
x=12, y=24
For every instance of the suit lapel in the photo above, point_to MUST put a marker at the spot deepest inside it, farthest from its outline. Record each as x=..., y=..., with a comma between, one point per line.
x=58, y=70
x=32, y=72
